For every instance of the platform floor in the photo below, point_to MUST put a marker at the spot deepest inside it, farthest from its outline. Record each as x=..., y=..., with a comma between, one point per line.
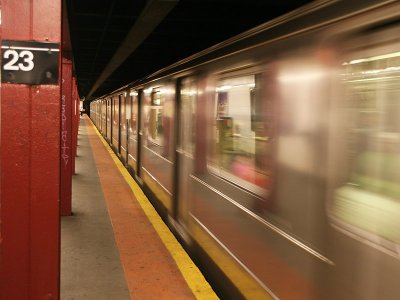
x=115, y=246
x=90, y=262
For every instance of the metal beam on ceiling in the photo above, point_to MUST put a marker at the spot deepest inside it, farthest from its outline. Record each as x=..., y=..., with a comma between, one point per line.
x=152, y=15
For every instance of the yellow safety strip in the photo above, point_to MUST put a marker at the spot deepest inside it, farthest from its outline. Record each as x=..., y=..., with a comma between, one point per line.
x=192, y=275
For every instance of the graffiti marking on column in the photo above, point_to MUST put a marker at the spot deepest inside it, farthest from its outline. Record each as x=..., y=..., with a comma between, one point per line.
x=64, y=132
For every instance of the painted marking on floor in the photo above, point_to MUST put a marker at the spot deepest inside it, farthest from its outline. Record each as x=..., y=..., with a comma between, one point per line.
x=192, y=275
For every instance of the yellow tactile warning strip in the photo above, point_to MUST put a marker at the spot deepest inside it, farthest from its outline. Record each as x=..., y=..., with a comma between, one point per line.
x=150, y=269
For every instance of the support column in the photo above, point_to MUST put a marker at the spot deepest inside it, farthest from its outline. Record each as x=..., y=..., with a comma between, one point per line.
x=30, y=156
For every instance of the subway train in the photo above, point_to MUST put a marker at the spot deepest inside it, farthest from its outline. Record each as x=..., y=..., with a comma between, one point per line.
x=274, y=156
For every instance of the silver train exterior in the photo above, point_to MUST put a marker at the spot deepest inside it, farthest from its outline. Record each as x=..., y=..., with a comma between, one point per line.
x=275, y=156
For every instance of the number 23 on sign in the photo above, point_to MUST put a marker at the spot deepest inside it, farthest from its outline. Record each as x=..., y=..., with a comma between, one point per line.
x=13, y=65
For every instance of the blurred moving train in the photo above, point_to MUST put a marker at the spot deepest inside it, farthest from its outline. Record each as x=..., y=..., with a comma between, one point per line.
x=275, y=156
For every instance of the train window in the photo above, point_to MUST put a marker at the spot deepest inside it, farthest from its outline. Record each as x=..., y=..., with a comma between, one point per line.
x=239, y=133
x=115, y=110
x=133, y=113
x=187, y=114
x=366, y=199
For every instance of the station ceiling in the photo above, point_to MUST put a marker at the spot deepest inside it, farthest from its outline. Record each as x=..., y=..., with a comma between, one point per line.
x=115, y=42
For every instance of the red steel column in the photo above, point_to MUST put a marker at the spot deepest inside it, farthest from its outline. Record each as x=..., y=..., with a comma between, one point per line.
x=30, y=164
x=66, y=135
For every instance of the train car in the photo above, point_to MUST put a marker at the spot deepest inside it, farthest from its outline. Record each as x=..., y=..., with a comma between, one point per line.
x=275, y=156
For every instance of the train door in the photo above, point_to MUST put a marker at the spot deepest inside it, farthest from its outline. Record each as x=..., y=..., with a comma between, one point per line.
x=102, y=116
x=140, y=121
x=186, y=108
x=98, y=114
x=105, y=117
x=122, y=126
x=109, y=120
x=104, y=127
x=112, y=118
x=115, y=123
x=364, y=159
x=132, y=123
x=128, y=114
